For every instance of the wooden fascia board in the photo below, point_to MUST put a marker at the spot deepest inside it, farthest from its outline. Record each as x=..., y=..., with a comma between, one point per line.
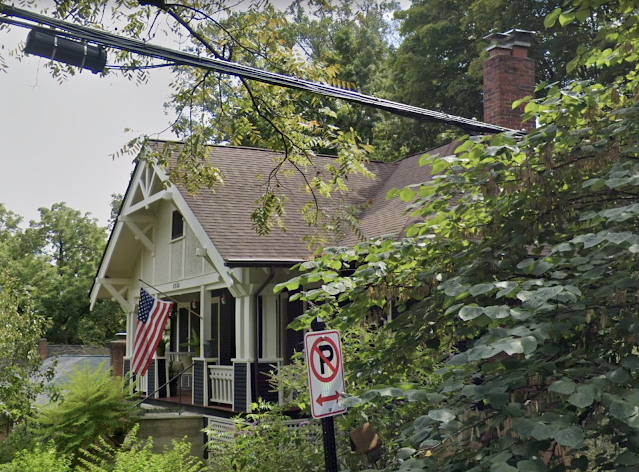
x=115, y=235
x=105, y=263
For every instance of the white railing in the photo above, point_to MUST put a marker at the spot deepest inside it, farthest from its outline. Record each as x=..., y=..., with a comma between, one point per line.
x=224, y=429
x=221, y=383
x=220, y=429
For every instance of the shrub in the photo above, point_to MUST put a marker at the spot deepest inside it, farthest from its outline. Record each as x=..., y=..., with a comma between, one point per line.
x=20, y=438
x=38, y=460
x=266, y=443
x=135, y=457
x=94, y=405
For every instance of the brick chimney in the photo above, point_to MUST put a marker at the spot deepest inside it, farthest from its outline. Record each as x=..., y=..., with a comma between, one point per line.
x=118, y=351
x=509, y=74
x=43, y=348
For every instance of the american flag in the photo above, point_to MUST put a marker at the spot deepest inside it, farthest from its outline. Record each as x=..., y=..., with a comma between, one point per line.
x=152, y=316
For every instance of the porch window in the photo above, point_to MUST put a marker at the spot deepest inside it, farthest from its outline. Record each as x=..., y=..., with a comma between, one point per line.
x=177, y=225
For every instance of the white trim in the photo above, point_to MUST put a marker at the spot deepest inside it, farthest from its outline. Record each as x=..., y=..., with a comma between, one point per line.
x=140, y=236
x=124, y=303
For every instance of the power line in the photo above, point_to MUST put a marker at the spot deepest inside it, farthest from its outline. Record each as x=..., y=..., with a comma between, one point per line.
x=106, y=39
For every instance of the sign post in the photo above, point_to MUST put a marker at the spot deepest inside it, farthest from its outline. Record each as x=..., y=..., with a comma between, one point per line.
x=326, y=382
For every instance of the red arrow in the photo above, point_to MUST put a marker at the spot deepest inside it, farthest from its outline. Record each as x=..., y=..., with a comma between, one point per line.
x=331, y=398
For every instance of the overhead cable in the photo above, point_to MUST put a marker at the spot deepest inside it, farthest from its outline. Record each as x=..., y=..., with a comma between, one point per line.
x=106, y=39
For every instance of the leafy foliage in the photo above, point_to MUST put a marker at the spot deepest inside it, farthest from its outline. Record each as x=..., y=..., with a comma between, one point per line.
x=40, y=459
x=56, y=258
x=103, y=457
x=94, y=404
x=135, y=456
x=263, y=441
x=520, y=277
x=20, y=330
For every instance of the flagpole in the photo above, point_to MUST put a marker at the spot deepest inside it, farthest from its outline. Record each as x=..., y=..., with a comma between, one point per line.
x=170, y=298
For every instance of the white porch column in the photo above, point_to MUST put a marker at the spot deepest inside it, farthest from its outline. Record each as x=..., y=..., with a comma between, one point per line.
x=244, y=329
x=205, y=320
x=131, y=324
x=270, y=327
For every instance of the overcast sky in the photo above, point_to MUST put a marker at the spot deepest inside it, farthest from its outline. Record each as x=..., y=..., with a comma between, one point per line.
x=57, y=138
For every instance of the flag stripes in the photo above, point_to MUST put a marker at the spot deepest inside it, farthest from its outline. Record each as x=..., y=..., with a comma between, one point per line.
x=152, y=317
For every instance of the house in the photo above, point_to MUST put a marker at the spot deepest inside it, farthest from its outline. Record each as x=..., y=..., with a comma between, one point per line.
x=202, y=252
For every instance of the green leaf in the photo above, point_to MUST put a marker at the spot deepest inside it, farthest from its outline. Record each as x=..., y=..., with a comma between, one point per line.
x=566, y=18
x=618, y=376
x=565, y=387
x=407, y=195
x=502, y=467
x=582, y=398
x=480, y=289
x=570, y=437
x=531, y=465
x=497, y=312
x=622, y=409
x=470, y=312
x=551, y=18
x=627, y=458
x=543, y=431
x=443, y=415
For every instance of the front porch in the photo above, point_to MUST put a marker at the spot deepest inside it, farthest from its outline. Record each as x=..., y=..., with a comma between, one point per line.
x=219, y=336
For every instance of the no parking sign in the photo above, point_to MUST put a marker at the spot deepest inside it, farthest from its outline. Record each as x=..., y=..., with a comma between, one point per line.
x=325, y=372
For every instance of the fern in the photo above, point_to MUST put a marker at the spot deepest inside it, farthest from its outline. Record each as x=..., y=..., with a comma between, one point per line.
x=94, y=406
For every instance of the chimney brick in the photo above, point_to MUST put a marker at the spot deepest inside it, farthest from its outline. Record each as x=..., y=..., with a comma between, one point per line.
x=43, y=348
x=118, y=350
x=509, y=74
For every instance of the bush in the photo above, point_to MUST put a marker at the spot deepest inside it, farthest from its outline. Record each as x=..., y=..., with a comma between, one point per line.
x=38, y=460
x=265, y=443
x=20, y=438
x=135, y=457
x=94, y=405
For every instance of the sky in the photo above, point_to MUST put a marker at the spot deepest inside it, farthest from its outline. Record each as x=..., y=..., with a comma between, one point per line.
x=57, y=139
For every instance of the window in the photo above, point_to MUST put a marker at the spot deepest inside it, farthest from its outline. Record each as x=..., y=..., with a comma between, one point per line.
x=177, y=225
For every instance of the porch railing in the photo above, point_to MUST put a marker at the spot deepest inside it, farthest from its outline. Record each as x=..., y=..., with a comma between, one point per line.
x=186, y=359
x=221, y=383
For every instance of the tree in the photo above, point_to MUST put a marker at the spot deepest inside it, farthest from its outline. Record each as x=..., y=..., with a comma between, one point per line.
x=438, y=64
x=213, y=108
x=520, y=280
x=67, y=246
x=355, y=38
x=20, y=330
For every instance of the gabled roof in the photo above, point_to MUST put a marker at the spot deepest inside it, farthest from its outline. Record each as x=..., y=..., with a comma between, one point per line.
x=226, y=214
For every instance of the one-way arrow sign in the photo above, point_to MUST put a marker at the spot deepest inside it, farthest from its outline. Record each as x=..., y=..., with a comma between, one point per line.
x=331, y=398
x=325, y=372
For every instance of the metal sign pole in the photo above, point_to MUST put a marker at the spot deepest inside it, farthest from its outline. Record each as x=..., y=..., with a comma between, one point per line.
x=330, y=451
x=328, y=424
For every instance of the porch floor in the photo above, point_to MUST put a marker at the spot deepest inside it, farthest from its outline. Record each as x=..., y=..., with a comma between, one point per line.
x=186, y=400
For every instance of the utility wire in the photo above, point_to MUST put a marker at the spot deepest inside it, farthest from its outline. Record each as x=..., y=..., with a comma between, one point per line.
x=106, y=39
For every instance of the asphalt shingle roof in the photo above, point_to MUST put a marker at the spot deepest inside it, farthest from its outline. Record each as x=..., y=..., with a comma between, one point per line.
x=226, y=213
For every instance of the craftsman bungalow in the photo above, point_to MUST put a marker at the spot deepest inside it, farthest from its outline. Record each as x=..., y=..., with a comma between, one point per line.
x=202, y=251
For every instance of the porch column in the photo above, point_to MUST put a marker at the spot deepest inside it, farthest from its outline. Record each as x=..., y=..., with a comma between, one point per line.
x=270, y=328
x=244, y=329
x=244, y=352
x=131, y=323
